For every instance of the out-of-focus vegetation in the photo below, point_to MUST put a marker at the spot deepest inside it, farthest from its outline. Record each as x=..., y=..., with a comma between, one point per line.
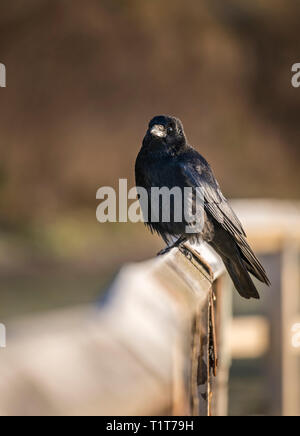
x=84, y=80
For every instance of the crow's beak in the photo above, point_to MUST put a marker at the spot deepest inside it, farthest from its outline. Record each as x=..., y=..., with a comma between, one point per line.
x=159, y=131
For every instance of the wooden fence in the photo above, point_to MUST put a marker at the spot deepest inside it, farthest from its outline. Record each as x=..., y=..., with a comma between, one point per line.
x=273, y=228
x=154, y=345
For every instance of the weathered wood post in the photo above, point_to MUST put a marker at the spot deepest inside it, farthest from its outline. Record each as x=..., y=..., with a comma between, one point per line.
x=149, y=349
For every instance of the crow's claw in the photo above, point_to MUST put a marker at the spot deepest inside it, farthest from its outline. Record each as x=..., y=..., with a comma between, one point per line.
x=164, y=251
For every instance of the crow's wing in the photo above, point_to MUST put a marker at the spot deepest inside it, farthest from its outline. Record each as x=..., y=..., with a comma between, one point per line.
x=199, y=174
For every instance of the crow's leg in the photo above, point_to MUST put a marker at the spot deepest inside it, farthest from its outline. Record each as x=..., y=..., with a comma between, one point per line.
x=179, y=241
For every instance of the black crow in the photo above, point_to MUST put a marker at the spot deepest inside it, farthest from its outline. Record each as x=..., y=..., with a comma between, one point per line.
x=167, y=160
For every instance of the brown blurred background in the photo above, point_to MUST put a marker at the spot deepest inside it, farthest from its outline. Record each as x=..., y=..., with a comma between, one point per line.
x=83, y=80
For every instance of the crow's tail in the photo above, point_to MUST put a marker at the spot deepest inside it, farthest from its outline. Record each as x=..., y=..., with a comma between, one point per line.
x=240, y=277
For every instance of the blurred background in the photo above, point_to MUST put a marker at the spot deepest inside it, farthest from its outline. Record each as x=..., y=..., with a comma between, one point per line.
x=83, y=80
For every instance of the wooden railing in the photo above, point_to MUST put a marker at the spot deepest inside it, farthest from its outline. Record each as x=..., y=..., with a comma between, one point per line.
x=273, y=228
x=154, y=345
x=151, y=345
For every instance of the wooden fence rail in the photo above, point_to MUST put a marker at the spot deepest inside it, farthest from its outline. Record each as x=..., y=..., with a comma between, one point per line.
x=151, y=347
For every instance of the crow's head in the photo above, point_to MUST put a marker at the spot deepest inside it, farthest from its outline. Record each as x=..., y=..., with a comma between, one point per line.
x=166, y=130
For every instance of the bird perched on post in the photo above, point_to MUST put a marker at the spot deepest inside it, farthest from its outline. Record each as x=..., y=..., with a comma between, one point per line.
x=167, y=160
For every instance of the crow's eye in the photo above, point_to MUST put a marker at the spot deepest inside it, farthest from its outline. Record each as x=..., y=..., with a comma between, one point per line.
x=170, y=130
